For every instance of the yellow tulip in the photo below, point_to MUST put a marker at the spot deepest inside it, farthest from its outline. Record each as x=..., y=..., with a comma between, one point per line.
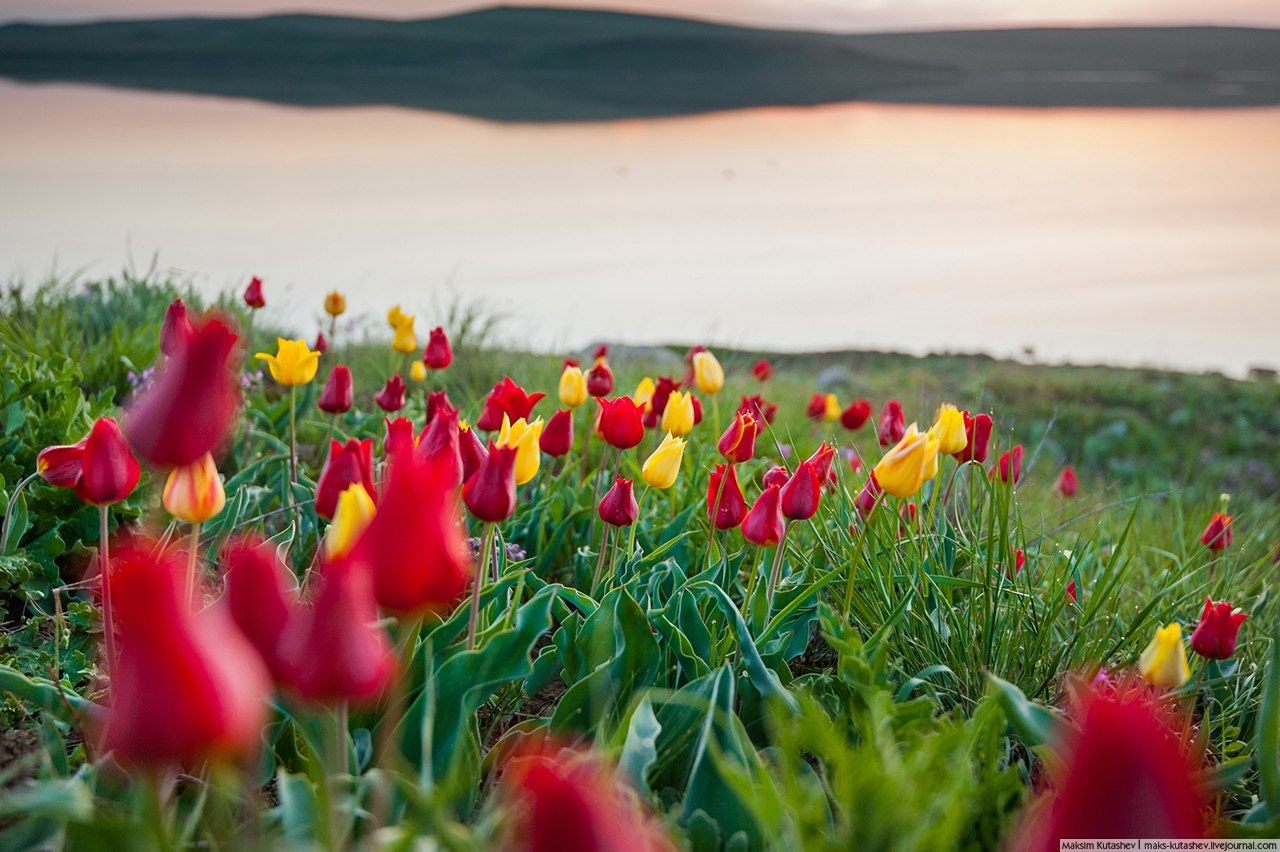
x=351, y=518
x=707, y=373
x=948, y=430
x=831, y=409
x=573, y=386
x=1164, y=663
x=405, y=340
x=644, y=393
x=523, y=436
x=905, y=467
x=663, y=465
x=194, y=493
x=335, y=304
x=395, y=317
x=677, y=417
x=293, y=364
x=418, y=371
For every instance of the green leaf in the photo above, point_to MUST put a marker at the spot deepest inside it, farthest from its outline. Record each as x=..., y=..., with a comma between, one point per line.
x=1036, y=724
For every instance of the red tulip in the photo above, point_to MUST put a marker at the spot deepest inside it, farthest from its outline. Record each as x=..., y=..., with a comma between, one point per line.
x=977, y=432
x=725, y=503
x=759, y=408
x=1009, y=467
x=763, y=524
x=1019, y=560
x=61, y=465
x=1066, y=485
x=762, y=370
x=108, y=471
x=337, y=395
x=602, y=351
x=507, y=398
x=866, y=499
x=821, y=461
x=1071, y=592
x=260, y=597
x=399, y=439
x=346, y=465
x=1217, y=536
x=906, y=518
x=600, y=379
x=618, y=507
x=621, y=422
x=438, y=354
x=661, y=393
x=190, y=409
x=697, y=410
x=391, y=397
x=185, y=688
x=893, y=424
x=738, y=443
x=557, y=438
x=439, y=444
x=321, y=344
x=472, y=451
x=801, y=494
x=817, y=407
x=437, y=400
x=570, y=362
x=490, y=494
x=1215, y=636
x=776, y=475
x=856, y=415
x=253, y=294
x=177, y=328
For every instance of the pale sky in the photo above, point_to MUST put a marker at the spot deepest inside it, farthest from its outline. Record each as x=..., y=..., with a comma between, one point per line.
x=851, y=15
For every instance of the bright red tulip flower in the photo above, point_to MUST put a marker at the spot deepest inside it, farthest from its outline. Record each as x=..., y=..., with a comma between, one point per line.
x=866, y=499
x=557, y=438
x=399, y=437
x=322, y=343
x=764, y=524
x=759, y=408
x=1217, y=536
x=893, y=424
x=661, y=393
x=776, y=475
x=391, y=398
x=762, y=370
x=440, y=445
x=1009, y=467
x=822, y=460
x=507, y=398
x=177, y=329
x=697, y=410
x=108, y=470
x=817, y=407
x=338, y=394
x=346, y=464
x=977, y=432
x=60, y=465
x=490, y=493
x=1071, y=592
x=802, y=493
x=1019, y=561
x=726, y=507
x=472, y=451
x=856, y=415
x=618, y=507
x=1067, y=484
x=438, y=354
x=437, y=401
x=1215, y=636
x=621, y=422
x=600, y=379
x=738, y=443
x=261, y=597
x=253, y=294
x=192, y=406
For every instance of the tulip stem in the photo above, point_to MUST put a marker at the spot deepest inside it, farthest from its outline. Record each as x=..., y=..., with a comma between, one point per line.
x=775, y=574
x=193, y=549
x=340, y=728
x=486, y=545
x=293, y=453
x=104, y=565
x=8, y=511
x=604, y=547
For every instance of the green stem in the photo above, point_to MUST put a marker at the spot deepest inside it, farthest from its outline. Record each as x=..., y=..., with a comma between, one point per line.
x=193, y=548
x=9, y=509
x=604, y=546
x=486, y=545
x=776, y=573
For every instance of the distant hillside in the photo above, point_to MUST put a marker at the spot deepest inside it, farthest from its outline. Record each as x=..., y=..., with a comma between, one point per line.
x=562, y=65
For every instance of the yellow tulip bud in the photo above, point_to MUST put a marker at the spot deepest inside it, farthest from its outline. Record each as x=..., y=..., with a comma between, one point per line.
x=395, y=317
x=418, y=371
x=948, y=430
x=573, y=386
x=663, y=465
x=831, y=408
x=405, y=340
x=905, y=467
x=707, y=373
x=351, y=518
x=335, y=304
x=194, y=493
x=523, y=436
x=1164, y=662
x=677, y=417
x=293, y=364
x=644, y=393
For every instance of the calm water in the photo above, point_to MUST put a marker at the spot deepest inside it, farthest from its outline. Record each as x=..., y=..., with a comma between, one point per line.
x=1119, y=236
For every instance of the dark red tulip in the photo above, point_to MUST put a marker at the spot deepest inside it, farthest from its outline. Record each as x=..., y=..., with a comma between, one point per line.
x=618, y=507
x=399, y=438
x=759, y=408
x=1215, y=636
x=726, y=506
x=439, y=444
x=697, y=410
x=437, y=400
x=1071, y=593
x=507, y=398
x=337, y=395
x=186, y=689
x=391, y=397
x=600, y=379
x=321, y=344
x=346, y=465
x=108, y=470
x=260, y=597
x=821, y=460
x=802, y=493
x=177, y=328
x=1067, y=485
x=906, y=518
x=661, y=393
x=893, y=424
x=764, y=524
x=762, y=370
x=191, y=407
x=738, y=443
x=621, y=422
x=557, y=438
x=602, y=351
x=490, y=494
x=866, y=499
x=776, y=475
x=1009, y=467
x=1217, y=536
x=570, y=362
x=438, y=355
x=817, y=407
x=61, y=465
x=856, y=415
x=472, y=451
x=977, y=432
x=253, y=294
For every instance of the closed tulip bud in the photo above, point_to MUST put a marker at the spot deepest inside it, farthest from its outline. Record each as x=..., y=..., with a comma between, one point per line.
x=902, y=470
x=662, y=467
x=439, y=444
x=707, y=373
x=438, y=401
x=856, y=415
x=948, y=430
x=261, y=597
x=337, y=395
x=1217, y=535
x=1009, y=467
x=472, y=451
x=506, y=398
x=817, y=407
x=1067, y=485
x=191, y=407
x=557, y=437
x=335, y=304
x=892, y=424
x=678, y=416
x=352, y=517
x=662, y=391
x=762, y=410
x=906, y=519
x=776, y=475
x=738, y=443
x=253, y=294
x=438, y=354
x=405, y=340
x=726, y=507
x=61, y=465
x=822, y=460
x=697, y=410
x=108, y=470
x=621, y=422
x=763, y=524
x=1071, y=594
x=1164, y=662
x=618, y=507
x=977, y=434
x=644, y=393
x=417, y=372
x=762, y=370
x=177, y=328
x=399, y=438
x=293, y=364
x=600, y=379
x=1215, y=636
x=391, y=397
x=322, y=343
x=523, y=437
x=396, y=317
x=490, y=494
x=194, y=493
x=830, y=407
x=1019, y=559
x=802, y=493
x=573, y=386
x=866, y=499
x=347, y=464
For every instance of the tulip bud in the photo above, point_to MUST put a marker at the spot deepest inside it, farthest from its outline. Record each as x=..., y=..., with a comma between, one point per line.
x=644, y=393
x=776, y=475
x=573, y=386
x=490, y=494
x=738, y=443
x=557, y=437
x=866, y=499
x=618, y=507
x=817, y=407
x=621, y=422
x=417, y=372
x=677, y=416
x=391, y=397
x=61, y=465
x=856, y=415
x=439, y=444
x=438, y=401
x=830, y=407
x=1067, y=485
x=666, y=385
x=1164, y=662
x=405, y=340
x=892, y=423
x=177, y=329
x=506, y=398
x=293, y=364
x=763, y=524
x=346, y=465
x=726, y=506
x=1071, y=594
x=335, y=304
x=762, y=370
x=1215, y=636
x=322, y=343
x=759, y=408
x=108, y=470
x=194, y=493
x=600, y=379
x=977, y=433
x=261, y=596
x=523, y=437
x=662, y=467
x=1019, y=558
x=821, y=461
x=801, y=494
x=253, y=294
x=472, y=451
x=337, y=395
x=1217, y=535
x=1009, y=467
x=948, y=430
x=438, y=354
x=904, y=468
x=707, y=373
x=399, y=438
x=352, y=517
x=697, y=410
